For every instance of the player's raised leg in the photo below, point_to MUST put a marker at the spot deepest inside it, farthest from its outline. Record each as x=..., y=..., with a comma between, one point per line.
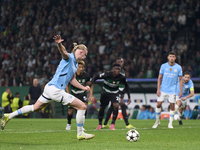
x=26, y=109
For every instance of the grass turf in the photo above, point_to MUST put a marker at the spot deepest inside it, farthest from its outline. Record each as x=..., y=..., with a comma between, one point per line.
x=50, y=134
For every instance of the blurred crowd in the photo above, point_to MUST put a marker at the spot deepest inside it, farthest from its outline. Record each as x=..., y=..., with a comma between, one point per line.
x=140, y=31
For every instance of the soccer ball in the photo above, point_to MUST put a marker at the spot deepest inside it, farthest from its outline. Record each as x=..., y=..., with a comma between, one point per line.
x=132, y=135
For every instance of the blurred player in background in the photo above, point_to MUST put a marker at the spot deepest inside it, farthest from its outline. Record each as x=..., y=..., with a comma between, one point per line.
x=170, y=73
x=110, y=92
x=7, y=100
x=188, y=91
x=122, y=103
x=84, y=79
x=54, y=89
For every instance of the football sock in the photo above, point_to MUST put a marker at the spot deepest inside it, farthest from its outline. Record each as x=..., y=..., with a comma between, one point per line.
x=69, y=118
x=101, y=114
x=80, y=119
x=108, y=115
x=123, y=107
x=171, y=118
x=23, y=110
x=115, y=113
x=158, y=110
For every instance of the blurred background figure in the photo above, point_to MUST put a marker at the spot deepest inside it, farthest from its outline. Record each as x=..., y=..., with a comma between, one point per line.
x=16, y=103
x=143, y=113
x=7, y=100
x=152, y=113
x=187, y=113
x=34, y=93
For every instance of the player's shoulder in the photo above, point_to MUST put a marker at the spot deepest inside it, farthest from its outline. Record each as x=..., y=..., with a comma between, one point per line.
x=190, y=81
x=177, y=65
x=165, y=64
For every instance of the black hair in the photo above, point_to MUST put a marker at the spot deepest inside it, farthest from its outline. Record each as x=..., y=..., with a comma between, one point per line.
x=16, y=93
x=186, y=73
x=172, y=53
x=116, y=65
x=119, y=58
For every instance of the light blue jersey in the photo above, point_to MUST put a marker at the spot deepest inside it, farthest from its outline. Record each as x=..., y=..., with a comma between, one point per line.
x=64, y=73
x=186, y=88
x=170, y=77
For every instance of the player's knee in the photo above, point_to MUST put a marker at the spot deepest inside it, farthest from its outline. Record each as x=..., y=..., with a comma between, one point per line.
x=83, y=107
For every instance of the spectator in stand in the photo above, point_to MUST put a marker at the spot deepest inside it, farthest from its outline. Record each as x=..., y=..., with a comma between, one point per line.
x=187, y=113
x=152, y=113
x=143, y=113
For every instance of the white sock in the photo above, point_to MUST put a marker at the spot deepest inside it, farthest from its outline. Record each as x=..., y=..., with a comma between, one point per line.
x=171, y=118
x=158, y=110
x=80, y=119
x=23, y=110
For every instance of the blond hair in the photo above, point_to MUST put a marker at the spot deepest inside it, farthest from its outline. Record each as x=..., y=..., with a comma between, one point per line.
x=80, y=46
x=81, y=62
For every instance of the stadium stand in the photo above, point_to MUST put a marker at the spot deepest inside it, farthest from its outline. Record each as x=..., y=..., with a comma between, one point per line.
x=143, y=32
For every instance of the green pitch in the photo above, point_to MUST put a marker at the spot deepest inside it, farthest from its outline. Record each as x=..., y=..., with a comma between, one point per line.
x=50, y=134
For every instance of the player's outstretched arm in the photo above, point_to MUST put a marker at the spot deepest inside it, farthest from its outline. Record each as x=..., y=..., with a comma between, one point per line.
x=75, y=83
x=61, y=48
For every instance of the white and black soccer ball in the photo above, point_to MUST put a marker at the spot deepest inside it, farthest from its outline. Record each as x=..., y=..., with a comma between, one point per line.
x=132, y=135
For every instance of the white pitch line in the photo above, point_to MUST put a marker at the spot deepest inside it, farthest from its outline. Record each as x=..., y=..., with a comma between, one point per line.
x=93, y=130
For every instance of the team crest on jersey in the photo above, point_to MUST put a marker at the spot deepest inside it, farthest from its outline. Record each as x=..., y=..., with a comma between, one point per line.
x=170, y=69
x=186, y=86
x=79, y=80
x=175, y=70
x=114, y=82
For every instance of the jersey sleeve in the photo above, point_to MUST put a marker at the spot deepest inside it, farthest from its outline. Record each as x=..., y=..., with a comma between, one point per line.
x=161, y=69
x=100, y=76
x=191, y=86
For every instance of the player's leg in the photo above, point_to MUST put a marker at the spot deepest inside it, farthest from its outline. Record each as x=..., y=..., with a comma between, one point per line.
x=110, y=110
x=26, y=109
x=160, y=100
x=172, y=100
x=115, y=99
x=125, y=116
x=69, y=117
x=104, y=100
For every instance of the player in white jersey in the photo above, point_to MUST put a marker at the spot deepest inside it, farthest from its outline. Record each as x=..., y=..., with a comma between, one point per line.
x=188, y=91
x=169, y=75
x=55, y=89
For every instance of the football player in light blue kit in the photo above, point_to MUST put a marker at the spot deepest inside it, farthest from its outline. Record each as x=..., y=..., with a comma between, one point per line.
x=55, y=89
x=170, y=73
x=188, y=91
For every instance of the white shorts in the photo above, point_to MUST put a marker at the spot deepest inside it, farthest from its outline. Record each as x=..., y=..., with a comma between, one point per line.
x=183, y=103
x=170, y=97
x=52, y=93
